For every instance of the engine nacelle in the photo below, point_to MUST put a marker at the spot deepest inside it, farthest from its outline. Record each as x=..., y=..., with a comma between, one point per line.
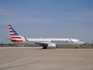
x=51, y=45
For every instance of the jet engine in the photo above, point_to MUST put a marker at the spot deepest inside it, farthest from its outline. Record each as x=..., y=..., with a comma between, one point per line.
x=51, y=45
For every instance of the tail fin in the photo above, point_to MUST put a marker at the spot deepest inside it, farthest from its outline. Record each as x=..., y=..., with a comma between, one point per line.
x=15, y=37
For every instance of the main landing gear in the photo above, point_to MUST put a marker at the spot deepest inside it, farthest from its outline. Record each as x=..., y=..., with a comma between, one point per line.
x=44, y=47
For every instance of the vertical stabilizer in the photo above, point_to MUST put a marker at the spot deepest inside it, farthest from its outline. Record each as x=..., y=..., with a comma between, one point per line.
x=15, y=37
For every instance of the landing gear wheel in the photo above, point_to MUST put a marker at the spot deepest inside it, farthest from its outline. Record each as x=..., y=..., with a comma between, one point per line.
x=76, y=47
x=56, y=46
x=44, y=47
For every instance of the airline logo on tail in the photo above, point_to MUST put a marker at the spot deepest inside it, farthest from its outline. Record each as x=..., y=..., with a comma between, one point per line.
x=15, y=37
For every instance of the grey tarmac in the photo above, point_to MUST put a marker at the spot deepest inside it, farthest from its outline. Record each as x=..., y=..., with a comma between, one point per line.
x=36, y=58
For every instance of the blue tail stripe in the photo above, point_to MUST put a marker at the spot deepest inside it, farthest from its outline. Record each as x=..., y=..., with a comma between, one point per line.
x=15, y=33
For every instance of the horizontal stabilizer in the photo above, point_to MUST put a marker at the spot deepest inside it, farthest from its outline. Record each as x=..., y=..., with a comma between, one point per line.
x=8, y=38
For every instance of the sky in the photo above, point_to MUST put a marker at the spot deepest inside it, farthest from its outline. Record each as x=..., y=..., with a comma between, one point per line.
x=47, y=19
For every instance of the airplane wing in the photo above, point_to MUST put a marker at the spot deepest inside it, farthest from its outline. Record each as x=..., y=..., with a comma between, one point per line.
x=39, y=43
x=42, y=43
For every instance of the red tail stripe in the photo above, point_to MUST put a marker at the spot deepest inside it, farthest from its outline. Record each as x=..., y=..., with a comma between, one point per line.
x=17, y=40
x=15, y=37
x=12, y=34
x=10, y=28
x=11, y=31
x=9, y=25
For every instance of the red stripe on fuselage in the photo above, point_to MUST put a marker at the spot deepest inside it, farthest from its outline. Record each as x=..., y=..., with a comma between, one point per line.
x=71, y=41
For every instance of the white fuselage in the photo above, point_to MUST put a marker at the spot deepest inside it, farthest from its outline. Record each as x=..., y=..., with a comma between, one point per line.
x=57, y=41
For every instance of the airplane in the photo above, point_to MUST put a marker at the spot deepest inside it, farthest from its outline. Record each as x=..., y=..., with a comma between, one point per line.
x=44, y=42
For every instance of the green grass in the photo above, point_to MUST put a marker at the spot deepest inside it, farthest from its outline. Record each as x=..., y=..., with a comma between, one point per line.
x=79, y=47
x=63, y=47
